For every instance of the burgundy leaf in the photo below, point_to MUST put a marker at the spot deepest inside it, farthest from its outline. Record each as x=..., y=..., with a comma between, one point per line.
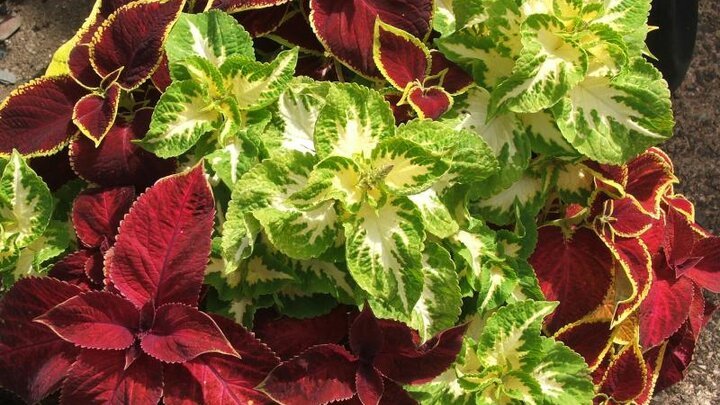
x=95, y=114
x=317, y=67
x=395, y=395
x=296, y=31
x=97, y=213
x=402, y=58
x=95, y=268
x=136, y=51
x=346, y=27
x=577, y=271
x=36, y=119
x=80, y=67
x=94, y=320
x=33, y=360
x=627, y=219
x=163, y=245
x=117, y=161
x=429, y=103
x=635, y=257
x=321, y=374
x=180, y=333
x=233, y=6
x=653, y=361
x=402, y=361
x=666, y=307
x=590, y=339
x=625, y=378
x=180, y=387
x=71, y=269
x=55, y=169
x=366, y=337
x=99, y=376
x=161, y=78
x=262, y=21
x=289, y=336
x=649, y=176
x=402, y=112
x=453, y=79
x=706, y=273
x=678, y=240
x=678, y=356
x=369, y=384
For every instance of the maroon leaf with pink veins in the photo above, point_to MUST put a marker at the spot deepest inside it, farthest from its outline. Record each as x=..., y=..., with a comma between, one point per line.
x=100, y=377
x=220, y=379
x=346, y=27
x=136, y=51
x=33, y=360
x=97, y=213
x=117, y=161
x=95, y=113
x=163, y=245
x=94, y=320
x=666, y=307
x=576, y=271
x=36, y=119
x=180, y=333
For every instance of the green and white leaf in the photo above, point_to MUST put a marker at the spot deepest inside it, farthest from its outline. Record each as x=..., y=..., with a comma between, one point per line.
x=574, y=183
x=444, y=20
x=384, y=253
x=562, y=375
x=440, y=302
x=235, y=158
x=213, y=35
x=356, y=120
x=335, y=178
x=435, y=215
x=405, y=167
x=497, y=281
x=25, y=205
x=545, y=136
x=184, y=114
x=549, y=65
x=613, y=119
x=299, y=107
x=526, y=194
x=200, y=71
x=471, y=248
x=52, y=243
x=256, y=85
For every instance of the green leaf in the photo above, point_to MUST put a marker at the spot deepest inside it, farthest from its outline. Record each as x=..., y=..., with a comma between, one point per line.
x=299, y=107
x=471, y=248
x=404, y=167
x=183, y=114
x=53, y=242
x=335, y=178
x=202, y=72
x=574, y=183
x=562, y=375
x=25, y=205
x=549, y=65
x=235, y=158
x=256, y=85
x=435, y=215
x=613, y=119
x=545, y=136
x=440, y=301
x=527, y=194
x=356, y=120
x=384, y=253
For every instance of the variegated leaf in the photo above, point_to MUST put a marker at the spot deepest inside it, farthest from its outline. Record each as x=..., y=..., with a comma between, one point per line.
x=25, y=205
x=183, y=114
x=471, y=247
x=613, y=119
x=562, y=375
x=574, y=183
x=354, y=123
x=545, y=136
x=435, y=215
x=498, y=281
x=404, y=167
x=255, y=85
x=53, y=242
x=299, y=107
x=235, y=158
x=440, y=302
x=384, y=253
x=213, y=35
x=526, y=194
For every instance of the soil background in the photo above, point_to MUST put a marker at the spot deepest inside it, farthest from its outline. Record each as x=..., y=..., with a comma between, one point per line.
x=695, y=148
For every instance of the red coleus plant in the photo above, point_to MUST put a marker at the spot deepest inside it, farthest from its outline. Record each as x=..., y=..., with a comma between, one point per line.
x=42, y=116
x=383, y=356
x=426, y=78
x=142, y=338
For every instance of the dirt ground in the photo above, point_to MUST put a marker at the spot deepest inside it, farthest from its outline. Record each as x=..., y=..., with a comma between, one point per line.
x=695, y=147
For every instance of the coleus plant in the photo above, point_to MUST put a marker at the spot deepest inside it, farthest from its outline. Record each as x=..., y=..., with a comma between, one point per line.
x=402, y=156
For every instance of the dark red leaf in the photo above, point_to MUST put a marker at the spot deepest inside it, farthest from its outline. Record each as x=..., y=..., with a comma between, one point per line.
x=94, y=320
x=54, y=169
x=678, y=241
x=576, y=271
x=163, y=245
x=80, y=67
x=36, y=119
x=180, y=333
x=296, y=31
x=366, y=337
x=697, y=319
x=317, y=67
x=653, y=361
x=706, y=273
x=636, y=259
x=400, y=57
x=625, y=378
x=681, y=204
x=654, y=236
x=97, y=213
x=136, y=51
x=590, y=339
x=678, y=356
x=33, y=360
x=100, y=377
x=95, y=114
x=233, y=6
x=262, y=21
x=321, y=374
x=95, y=268
x=117, y=161
x=402, y=112
x=161, y=77
x=403, y=362
x=369, y=384
x=71, y=269
x=627, y=218
x=666, y=307
x=346, y=27
x=395, y=395
x=649, y=177
x=180, y=387
x=429, y=103
x=289, y=336
x=454, y=80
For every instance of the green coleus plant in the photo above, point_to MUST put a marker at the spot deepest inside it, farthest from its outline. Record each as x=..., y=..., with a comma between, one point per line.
x=402, y=207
